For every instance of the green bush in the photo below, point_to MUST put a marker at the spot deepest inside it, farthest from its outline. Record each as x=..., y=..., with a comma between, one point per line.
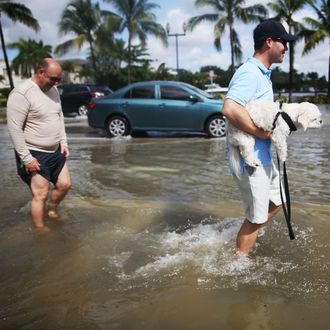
x=282, y=99
x=3, y=117
x=4, y=92
x=318, y=99
x=219, y=96
x=3, y=102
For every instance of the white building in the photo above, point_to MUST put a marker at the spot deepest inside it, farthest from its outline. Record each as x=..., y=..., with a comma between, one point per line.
x=3, y=72
x=67, y=76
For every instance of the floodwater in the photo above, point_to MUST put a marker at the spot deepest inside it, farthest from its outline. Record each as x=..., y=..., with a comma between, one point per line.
x=147, y=240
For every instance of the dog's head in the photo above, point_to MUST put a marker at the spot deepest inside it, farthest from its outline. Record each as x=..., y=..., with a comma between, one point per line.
x=309, y=116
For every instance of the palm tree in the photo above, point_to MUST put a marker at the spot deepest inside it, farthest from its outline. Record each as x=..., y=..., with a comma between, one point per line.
x=30, y=53
x=320, y=30
x=109, y=51
x=85, y=19
x=163, y=73
x=285, y=9
x=225, y=14
x=136, y=17
x=109, y=60
x=17, y=13
x=68, y=68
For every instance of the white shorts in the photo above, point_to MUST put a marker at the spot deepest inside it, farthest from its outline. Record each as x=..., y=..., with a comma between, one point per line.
x=258, y=187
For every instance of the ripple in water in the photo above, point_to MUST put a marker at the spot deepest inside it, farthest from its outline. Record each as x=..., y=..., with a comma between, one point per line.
x=204, y=254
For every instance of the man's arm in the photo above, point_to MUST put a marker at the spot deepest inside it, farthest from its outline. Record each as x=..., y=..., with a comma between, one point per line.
x=17, y=111
x=240, y=118
x=64, y=142
x=63, y=138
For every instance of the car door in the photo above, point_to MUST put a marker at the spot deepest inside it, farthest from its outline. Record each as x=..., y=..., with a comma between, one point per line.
x=80, y=95
x=73, y=96
x=140, y=106
x=65, y=92
x=179, y=109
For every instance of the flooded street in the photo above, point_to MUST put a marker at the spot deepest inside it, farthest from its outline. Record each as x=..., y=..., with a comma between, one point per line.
x=147, y=240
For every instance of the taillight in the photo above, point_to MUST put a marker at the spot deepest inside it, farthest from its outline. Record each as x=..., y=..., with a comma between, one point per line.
x=97, y=94
x=91, y=105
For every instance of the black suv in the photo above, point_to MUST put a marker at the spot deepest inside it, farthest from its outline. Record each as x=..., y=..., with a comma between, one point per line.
x=75, y=97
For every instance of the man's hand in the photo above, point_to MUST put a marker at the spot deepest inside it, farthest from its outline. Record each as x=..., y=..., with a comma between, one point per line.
x=65, y=150
x=263, y=134
x=33, y=166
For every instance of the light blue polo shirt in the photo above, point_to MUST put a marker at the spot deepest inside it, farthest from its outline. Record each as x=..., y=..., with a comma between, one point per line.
x=251, y=82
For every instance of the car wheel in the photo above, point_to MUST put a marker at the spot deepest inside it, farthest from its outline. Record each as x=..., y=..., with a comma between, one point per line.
x=216, y=126
x=82, y=110
x=117, y=126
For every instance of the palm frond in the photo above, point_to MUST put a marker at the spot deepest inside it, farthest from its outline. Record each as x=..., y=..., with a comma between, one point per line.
x=75, y=43
x=19, y=13
x=194, y=21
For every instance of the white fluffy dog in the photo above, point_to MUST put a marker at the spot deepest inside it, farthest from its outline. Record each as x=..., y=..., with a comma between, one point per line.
x=268, y=116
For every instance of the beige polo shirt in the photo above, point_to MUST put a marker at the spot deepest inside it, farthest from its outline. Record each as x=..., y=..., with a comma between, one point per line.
x=35, y=120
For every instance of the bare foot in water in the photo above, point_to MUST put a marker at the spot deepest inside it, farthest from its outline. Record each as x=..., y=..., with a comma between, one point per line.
x=54, y=215
x=43, y=230
x=241, y=255
x=52, y=212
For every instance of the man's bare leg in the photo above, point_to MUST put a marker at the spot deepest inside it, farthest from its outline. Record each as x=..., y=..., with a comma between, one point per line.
x=247, y=237
x=248, y=233
x=62, y=187
x=39, y=189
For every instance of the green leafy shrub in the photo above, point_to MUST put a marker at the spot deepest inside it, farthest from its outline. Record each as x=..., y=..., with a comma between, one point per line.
x=318, y=99
x=282, y=99
x=4, y=92
x=3, y=102
x=219, y=96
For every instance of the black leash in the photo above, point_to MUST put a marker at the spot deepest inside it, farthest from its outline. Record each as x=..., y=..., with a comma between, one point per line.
x=287, y=119
x=286, y=206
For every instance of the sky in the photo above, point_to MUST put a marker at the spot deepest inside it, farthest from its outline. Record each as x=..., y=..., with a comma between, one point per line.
x=195, y=49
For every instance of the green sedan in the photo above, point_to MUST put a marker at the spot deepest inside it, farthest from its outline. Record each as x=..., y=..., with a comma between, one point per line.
x=157, y=106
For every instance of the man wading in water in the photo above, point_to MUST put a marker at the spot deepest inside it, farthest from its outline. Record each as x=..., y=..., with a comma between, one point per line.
x=36, y=127
x=260, y=186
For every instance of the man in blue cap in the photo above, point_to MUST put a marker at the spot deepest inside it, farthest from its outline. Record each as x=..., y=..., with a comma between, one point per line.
x=259, y=187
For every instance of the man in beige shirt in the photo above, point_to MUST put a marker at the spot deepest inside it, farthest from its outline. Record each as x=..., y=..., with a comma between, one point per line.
x=36, y=127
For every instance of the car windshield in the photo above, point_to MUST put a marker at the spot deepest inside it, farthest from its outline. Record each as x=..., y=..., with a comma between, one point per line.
x=199, y=91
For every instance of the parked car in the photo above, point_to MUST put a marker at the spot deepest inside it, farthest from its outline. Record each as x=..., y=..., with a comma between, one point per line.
x=157, y=106
x=215, y=89
x=75, y=97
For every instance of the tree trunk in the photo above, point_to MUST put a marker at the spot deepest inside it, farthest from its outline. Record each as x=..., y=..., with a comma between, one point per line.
x=93, y=58
x=232, y=67
x=329, y=76
x=11, y=83
x=129, y=62
x=291, y=58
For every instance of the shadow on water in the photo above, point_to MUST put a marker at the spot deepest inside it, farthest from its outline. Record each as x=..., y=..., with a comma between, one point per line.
x=147, y=241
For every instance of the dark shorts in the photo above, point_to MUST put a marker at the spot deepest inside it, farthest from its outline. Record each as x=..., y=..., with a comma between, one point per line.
x=51, y=164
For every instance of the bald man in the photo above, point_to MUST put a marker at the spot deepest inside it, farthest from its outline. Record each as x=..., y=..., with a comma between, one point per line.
x=36, y=127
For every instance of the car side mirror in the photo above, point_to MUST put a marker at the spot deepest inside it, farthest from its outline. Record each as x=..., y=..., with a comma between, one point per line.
x=193, y=98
